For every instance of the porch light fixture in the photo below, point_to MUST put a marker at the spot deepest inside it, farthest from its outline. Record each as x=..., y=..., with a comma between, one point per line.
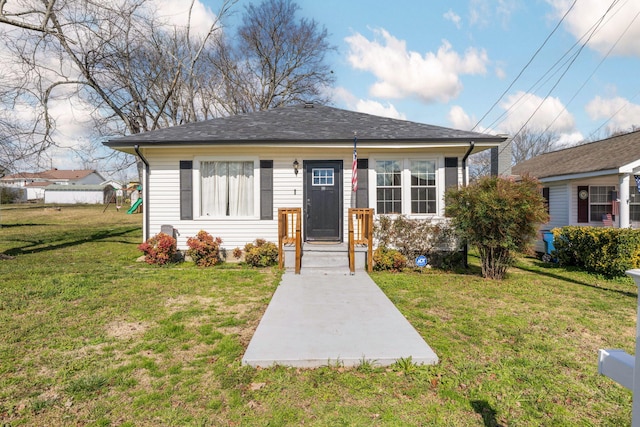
x=296, y=166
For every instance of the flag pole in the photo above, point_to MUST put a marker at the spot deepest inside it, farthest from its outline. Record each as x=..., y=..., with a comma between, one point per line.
x=354, y=171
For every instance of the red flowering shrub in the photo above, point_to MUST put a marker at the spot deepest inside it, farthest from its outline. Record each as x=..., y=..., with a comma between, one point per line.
x=204, y=249
x=159, y=249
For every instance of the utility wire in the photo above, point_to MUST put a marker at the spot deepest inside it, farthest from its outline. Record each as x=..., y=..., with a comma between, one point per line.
x=599, y=22
x=526, y=65
x=564, y=109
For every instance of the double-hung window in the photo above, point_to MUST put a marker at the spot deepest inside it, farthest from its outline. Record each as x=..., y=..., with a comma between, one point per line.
x=226, y=188
x=634, y=203
x=600, y=201
x=406, y=186
x=423, y=186
x=389, y=186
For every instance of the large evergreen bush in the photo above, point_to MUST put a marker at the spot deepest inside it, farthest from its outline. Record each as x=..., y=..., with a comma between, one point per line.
x=499, y=217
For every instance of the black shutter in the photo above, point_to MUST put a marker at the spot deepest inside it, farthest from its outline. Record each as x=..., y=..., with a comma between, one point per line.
x=362, y=194
x=545, y=194
x=266, y=189
x=186, y=189
x=450, y=172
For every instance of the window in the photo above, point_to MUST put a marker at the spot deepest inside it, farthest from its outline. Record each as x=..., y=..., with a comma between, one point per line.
x=226, y=188
x=634, y=204
x=423, y=187
x=600, y=201
x=322, y=176
x=389, y=187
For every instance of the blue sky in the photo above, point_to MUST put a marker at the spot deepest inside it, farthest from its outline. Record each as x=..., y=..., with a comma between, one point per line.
x=448, y=62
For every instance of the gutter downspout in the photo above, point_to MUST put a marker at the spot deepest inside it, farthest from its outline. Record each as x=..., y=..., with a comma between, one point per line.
x=465, y=248
x=145, y=199
x=472, y=144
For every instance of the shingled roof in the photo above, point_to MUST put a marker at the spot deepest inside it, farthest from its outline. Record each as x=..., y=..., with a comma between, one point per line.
x=605, y=155
x=299, y=123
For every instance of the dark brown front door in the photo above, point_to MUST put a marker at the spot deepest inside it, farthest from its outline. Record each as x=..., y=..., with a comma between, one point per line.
x=323, y=200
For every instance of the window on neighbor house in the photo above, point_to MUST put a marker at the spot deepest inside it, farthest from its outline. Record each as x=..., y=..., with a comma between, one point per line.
x=634, y=204
x=389, y=187
x=226, y=188
x=423, y=186
x=600, y=201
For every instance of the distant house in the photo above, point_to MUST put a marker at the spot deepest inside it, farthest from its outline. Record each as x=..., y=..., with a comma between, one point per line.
x=590, y=184
x=37, y=182
x=230, y=175
x=78, y=194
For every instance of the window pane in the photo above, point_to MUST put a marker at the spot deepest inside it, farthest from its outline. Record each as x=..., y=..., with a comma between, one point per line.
x=389, y=186
x=226, y=189
x=423, y=191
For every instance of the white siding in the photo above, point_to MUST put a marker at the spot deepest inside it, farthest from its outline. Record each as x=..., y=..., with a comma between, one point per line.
x=164, y=187
x=74, y=197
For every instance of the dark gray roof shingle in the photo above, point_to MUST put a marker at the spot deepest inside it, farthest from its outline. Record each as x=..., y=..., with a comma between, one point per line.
x=606, y=154
x=299, y=123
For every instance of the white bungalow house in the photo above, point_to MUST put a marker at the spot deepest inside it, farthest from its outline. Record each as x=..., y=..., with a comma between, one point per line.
x=591, y=183
x=230, y=175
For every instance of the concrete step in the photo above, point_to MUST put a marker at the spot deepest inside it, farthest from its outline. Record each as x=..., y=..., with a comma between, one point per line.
x=326, y=256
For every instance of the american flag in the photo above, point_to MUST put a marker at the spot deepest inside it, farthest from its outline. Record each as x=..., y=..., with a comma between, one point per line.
x=354, y=167
x=637, y=177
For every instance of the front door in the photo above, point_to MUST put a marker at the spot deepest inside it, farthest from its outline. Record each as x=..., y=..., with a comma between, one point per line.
x=323, y=200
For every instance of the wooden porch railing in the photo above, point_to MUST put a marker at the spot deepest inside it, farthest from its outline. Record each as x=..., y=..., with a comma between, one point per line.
x=360, y=233
x=290, y=233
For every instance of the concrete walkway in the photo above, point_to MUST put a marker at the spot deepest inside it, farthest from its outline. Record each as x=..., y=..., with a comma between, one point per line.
x=323, y=317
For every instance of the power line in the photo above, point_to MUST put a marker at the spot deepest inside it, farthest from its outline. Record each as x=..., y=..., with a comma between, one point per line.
x=526, y=65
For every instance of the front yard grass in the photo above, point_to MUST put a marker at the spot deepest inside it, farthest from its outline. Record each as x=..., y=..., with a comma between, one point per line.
x=90, y=337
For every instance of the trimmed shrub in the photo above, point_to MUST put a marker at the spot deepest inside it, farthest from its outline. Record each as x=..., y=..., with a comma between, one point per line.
x=204, y=249
x=498, y=216
x=261, y=253
x=387, y=259
x=606, y=251
x=159, y=249
x=413, y=237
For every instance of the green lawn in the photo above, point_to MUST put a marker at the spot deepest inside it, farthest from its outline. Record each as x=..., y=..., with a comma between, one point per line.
x=90, y=337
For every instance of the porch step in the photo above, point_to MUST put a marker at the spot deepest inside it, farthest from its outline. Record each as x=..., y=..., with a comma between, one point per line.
x=326, y=257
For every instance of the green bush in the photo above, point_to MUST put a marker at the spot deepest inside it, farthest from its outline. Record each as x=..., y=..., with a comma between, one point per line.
x=498, y=216
x=413, y=237
x=159, y=249
x=261, y=253
x=606, y=251
x=204, y=249
x=386, y=259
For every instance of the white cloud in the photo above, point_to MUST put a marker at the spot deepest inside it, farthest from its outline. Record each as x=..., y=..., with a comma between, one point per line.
x=453, y=17
x=402, y=73
x=623, y=114
x=484, y=13
x=373, y=107
x=587, y=13
x=459, y=119
x=176, y=12
x=520, y=106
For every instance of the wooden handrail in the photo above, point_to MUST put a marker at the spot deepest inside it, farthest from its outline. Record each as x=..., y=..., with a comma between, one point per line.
x=360, y=233
x=290, y=233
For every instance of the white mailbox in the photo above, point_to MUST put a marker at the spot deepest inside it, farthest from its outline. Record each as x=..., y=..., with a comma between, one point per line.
x=624, y=368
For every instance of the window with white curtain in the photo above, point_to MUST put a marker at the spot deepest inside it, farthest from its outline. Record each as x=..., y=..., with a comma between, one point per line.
x=226, y=188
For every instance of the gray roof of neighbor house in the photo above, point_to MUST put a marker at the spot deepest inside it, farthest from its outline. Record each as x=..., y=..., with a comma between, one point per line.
x=302, y=123
x=604, y=155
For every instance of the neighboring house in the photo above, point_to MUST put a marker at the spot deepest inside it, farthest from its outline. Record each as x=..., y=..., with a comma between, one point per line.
x=586, y=183
x=38, y=181
x=230, y=175
x=78, y=194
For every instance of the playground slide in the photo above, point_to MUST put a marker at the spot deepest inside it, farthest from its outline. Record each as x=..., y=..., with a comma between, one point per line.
x=134, y=207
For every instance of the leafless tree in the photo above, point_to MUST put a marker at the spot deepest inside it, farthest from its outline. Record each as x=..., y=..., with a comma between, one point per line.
x=530, y=143
x=133, y=71
x=278, y=59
